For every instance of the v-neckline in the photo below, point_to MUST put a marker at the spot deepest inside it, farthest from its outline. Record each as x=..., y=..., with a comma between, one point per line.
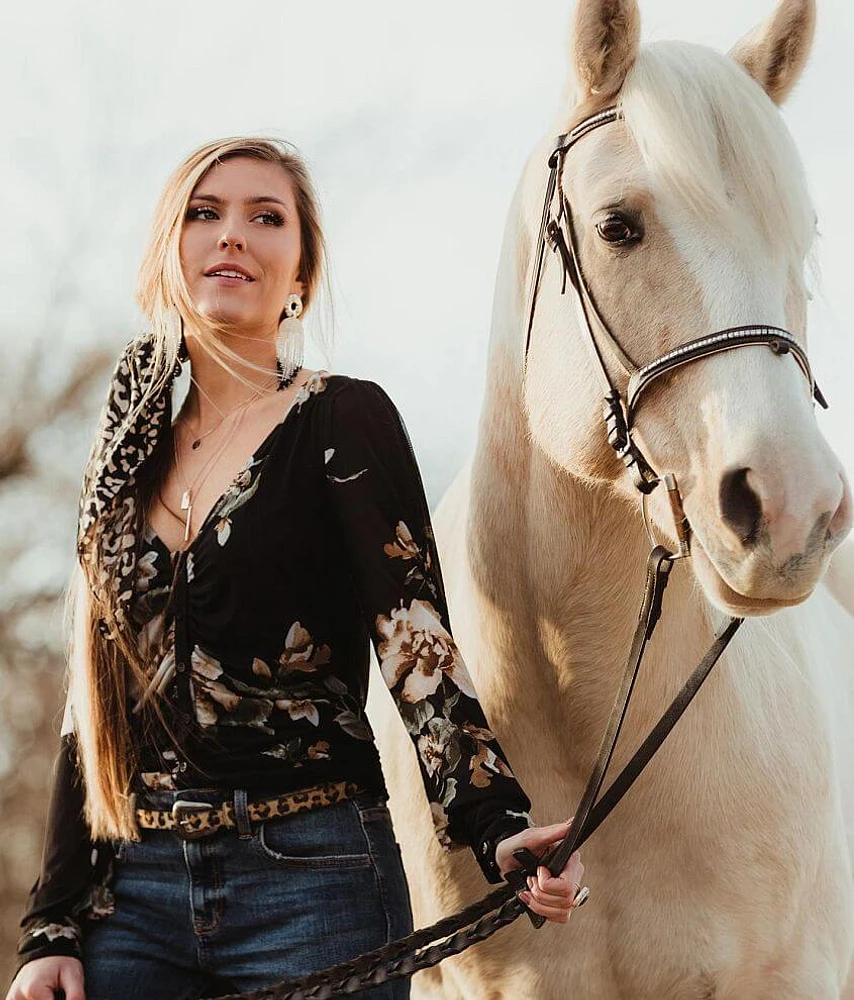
x=176, y=553
x=172, y=553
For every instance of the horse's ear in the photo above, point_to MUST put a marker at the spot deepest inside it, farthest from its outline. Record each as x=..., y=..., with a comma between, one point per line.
x=605, y=41
x=775, y=53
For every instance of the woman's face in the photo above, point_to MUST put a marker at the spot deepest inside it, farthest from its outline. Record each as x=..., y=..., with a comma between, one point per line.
x=242, y=215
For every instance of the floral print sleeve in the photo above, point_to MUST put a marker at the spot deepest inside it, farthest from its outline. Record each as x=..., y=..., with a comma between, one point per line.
x=379, y=504
x=72, y=888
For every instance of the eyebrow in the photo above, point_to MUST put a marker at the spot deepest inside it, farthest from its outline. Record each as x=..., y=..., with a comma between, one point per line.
x=255, y=200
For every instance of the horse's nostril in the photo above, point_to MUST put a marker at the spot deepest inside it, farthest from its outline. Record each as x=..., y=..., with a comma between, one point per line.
x=741, y=508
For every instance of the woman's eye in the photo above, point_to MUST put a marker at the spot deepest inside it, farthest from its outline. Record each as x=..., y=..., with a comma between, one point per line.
x=618, y=230
x=277, y=220
x=274, y=218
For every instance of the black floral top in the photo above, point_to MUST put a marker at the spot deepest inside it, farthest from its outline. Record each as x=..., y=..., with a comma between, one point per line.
x=259, y=636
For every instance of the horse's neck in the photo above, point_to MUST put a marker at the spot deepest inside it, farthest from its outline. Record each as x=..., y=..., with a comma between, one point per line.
x=560, y=565
x=572, y=550
x=549, y=582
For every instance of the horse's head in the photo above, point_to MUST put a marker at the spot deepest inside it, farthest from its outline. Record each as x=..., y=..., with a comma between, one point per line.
x=691, y=216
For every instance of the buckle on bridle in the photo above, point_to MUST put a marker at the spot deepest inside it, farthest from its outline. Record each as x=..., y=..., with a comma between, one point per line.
x=179, y=809
x=680, y=520
x=620, y=439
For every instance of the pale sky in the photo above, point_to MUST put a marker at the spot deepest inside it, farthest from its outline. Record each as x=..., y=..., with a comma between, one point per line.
x=416, y=121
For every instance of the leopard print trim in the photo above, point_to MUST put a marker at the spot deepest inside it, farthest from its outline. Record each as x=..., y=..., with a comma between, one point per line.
x=127, y=435
x=125, y=438
x=201, y=822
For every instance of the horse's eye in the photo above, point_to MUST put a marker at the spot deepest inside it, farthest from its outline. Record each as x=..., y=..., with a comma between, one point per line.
x=619, y=230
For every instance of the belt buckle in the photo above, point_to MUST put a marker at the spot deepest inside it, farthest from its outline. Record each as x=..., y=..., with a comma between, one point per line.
x=181, y=806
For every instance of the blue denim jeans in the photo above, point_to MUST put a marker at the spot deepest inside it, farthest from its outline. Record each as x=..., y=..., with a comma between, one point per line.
x=241, y=910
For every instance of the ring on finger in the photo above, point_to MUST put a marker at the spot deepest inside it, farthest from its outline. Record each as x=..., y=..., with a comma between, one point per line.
x=580, y=897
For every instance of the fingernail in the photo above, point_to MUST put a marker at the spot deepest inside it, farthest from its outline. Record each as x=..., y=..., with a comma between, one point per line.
x=543, y=872
x=530, y=881
x=525, y=897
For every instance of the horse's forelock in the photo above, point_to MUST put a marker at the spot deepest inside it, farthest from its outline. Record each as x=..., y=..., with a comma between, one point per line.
x=709, y=133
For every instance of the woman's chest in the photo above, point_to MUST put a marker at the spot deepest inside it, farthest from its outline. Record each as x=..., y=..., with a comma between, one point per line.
x=267, y=547
x=203, y=469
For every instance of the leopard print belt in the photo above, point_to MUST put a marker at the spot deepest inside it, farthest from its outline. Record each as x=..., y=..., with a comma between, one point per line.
x=199, y=819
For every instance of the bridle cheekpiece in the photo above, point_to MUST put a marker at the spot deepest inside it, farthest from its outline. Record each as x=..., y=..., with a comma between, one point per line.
x=557, y=232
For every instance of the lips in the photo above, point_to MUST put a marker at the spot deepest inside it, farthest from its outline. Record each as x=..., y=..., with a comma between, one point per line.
x=728, y=600
x=233, y=272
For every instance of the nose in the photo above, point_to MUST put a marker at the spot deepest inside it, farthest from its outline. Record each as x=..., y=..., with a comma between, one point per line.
x=752, y=505
x=233, y=241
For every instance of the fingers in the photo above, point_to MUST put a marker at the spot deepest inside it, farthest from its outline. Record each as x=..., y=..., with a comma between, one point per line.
x=552, y=907
x=552, y=896
x=40, y=978
x=566, y=883
x=71, y=980
x=27, y=988
x=557, y=914
x=36, y=991
x=574, y=870
x=545, y=836
x=41, y=992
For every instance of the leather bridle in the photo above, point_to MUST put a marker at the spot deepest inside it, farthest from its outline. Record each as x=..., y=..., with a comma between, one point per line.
x=557, y=231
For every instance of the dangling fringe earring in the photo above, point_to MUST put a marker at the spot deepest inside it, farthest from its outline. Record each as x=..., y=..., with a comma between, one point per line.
x=176, y=322
x=183, y=353
x=290, y=342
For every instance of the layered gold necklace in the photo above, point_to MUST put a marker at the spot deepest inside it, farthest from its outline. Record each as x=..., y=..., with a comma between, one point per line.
x=189, y=492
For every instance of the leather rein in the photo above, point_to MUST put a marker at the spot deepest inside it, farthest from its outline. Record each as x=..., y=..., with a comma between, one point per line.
x=430, y=945
x=557, y=231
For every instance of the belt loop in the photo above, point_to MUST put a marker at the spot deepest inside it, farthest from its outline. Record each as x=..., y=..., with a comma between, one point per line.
x=241, y=814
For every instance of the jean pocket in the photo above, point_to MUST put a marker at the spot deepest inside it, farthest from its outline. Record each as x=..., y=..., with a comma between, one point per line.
x=374, y=813
x=329, y=837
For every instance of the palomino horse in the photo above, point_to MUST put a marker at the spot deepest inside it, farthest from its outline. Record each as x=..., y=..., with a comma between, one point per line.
x=726, y=871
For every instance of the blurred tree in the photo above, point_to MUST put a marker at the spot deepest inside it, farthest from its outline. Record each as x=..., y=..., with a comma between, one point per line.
x=47, y=422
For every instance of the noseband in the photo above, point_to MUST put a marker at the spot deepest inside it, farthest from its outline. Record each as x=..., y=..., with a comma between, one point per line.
x=557, y=231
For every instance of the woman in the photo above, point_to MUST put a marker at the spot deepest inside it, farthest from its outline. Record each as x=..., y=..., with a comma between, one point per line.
x=218, y=818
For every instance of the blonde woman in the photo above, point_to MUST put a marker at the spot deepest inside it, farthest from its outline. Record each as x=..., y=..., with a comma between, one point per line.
x=218, y=819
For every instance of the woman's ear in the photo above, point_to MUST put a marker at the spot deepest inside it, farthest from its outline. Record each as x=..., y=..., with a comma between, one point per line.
x=775, y=53
x=605, y=43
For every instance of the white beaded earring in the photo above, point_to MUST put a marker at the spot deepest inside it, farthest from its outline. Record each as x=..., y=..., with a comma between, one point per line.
x=290, y=342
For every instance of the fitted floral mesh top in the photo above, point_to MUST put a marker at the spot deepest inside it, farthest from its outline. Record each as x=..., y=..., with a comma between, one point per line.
x=259, y=639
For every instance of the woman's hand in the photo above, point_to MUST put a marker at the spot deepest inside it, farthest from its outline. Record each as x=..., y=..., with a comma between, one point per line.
x=552, y=898
x=38, y=979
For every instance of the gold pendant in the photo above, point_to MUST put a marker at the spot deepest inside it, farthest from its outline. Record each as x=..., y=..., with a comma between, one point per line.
x=185, y=500
x=187, y=525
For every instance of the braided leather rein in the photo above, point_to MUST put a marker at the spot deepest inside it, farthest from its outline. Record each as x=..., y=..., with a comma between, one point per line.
x=430, y=945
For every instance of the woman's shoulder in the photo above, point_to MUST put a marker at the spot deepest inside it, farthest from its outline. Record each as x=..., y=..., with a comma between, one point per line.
x=349, y=395
x=357, y=406
x=339, y=382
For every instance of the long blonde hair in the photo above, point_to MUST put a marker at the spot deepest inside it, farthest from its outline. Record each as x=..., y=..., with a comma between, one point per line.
x=101, y=667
